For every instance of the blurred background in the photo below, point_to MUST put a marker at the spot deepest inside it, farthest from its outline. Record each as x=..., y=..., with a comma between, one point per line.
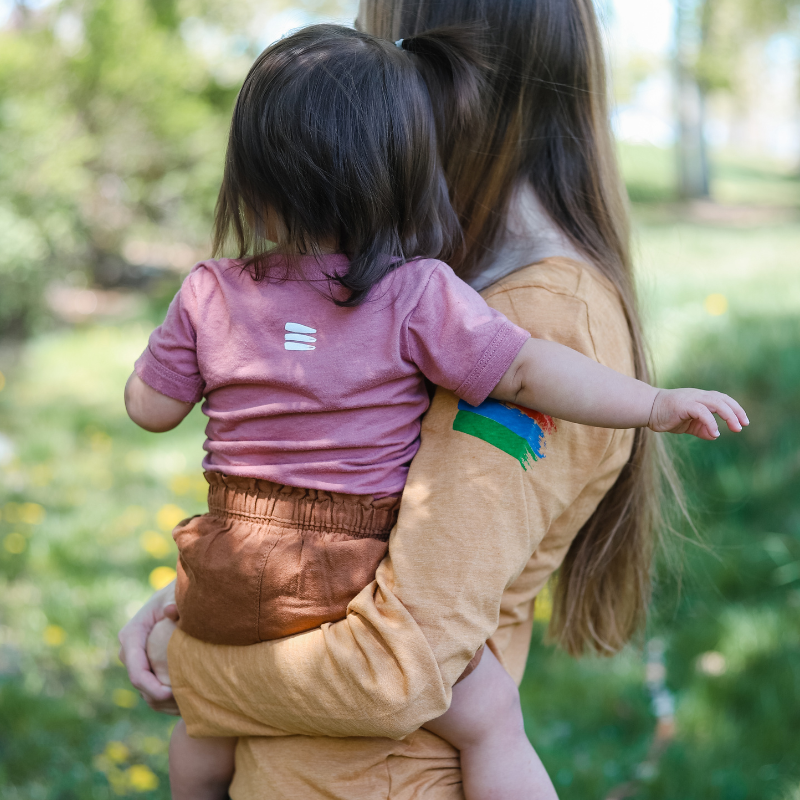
x=113, y=116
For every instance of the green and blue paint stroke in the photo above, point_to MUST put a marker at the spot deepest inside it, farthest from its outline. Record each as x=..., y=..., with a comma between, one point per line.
x=518, y=431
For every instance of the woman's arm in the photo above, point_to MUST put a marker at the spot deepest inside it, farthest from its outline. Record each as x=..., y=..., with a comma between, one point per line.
x=472, y=514
x=389, y=666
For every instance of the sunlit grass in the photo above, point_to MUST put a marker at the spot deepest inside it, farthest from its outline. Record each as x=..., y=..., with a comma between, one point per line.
x=86, y=506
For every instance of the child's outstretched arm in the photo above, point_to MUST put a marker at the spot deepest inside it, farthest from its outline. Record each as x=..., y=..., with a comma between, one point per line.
x=561, y=382
x=151, y=410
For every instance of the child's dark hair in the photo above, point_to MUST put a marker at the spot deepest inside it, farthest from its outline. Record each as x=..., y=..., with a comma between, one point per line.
x=333, y=138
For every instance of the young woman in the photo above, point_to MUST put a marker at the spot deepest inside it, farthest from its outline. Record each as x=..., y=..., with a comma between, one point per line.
x=479, y=532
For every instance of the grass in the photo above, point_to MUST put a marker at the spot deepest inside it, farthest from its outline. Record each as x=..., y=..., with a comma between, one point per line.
x=736, y=179
x=87, y=501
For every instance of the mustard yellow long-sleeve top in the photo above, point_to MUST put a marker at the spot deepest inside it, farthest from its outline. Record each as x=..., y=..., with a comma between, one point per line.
x=335, y=712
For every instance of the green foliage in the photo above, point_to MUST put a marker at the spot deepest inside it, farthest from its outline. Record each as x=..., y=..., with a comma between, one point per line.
x=86, y=506
x=726, y=28
x=745, y=591
x=112, y=132
x=651, y=178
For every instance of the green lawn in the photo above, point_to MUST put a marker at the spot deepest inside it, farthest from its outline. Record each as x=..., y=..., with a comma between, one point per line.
x=87, y=502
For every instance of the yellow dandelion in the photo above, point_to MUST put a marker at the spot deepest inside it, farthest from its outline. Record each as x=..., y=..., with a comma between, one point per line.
x=116, y=752
x=155, y=544
x=716, y=304
x=54, y=635
x=169, y=516
x=124, y=698
x=141, y=778
x=543, y=609
x=161, y=576
x=15, y=543
x=31, y=513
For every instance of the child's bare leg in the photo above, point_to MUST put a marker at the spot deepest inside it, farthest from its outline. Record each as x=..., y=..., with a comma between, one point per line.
x=485, y=723
x=199, y=769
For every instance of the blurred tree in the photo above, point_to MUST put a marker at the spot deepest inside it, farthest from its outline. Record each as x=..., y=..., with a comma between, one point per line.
x=711, y=38
x=113, y=118
x=693, y=177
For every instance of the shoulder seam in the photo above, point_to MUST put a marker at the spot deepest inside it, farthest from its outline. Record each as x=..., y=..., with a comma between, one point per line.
x=408, y=316
x=571, y=295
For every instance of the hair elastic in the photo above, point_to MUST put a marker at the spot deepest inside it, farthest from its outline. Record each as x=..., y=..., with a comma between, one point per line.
x=399, y=43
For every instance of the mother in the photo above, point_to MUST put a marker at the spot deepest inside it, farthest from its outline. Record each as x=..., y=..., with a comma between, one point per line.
x=483, y=525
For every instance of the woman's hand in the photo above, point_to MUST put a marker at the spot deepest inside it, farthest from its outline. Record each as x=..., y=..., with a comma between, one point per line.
x=134, y=649
x=692, y=411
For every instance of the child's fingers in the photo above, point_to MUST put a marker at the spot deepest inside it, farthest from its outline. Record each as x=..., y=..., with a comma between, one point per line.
x=720, y=405
x=737, y=409
x=709, y=424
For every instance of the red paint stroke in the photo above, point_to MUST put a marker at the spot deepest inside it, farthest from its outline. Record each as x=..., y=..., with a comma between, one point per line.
x=546, y=423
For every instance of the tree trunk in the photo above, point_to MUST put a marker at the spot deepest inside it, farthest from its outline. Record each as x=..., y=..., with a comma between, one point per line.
x=693, y=177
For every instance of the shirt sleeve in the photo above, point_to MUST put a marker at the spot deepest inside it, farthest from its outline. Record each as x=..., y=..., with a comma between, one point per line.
x=169, y=364
x=458, y=341
x=472, y=516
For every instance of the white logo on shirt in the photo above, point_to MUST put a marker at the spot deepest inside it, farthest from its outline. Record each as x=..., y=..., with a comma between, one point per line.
x=298, y=336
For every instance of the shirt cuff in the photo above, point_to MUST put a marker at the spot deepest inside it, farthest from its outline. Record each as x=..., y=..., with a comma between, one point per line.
x=167, y=382
x=493, y=364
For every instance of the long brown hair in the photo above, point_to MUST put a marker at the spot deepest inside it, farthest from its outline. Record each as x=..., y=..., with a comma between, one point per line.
x=545, y=120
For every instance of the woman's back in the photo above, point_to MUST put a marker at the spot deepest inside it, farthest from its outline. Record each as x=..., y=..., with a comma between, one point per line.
x=490, y=515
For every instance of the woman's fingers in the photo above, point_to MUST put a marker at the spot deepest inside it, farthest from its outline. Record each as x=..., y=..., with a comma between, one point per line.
x=164, y=707
x=133, y=650
x=133, y=641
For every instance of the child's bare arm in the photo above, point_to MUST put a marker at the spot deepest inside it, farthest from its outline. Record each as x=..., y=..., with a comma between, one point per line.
x=561, y=382
x=151, y=410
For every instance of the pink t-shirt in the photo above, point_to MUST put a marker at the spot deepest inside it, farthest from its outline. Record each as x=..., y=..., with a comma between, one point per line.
x=303, y=392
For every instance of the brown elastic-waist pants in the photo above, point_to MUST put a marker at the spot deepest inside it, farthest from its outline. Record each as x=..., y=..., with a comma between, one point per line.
x=270, y=560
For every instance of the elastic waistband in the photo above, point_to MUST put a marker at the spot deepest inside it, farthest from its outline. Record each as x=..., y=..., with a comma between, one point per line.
x=263, y=502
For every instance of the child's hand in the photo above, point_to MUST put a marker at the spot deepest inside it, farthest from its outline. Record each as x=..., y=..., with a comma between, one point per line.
x=692, y=411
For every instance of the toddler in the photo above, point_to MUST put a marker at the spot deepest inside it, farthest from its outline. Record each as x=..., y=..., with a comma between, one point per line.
x=312, y=349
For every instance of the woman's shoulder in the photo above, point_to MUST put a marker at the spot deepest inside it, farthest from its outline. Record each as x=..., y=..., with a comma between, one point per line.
x=563, y=277
x=571, y=302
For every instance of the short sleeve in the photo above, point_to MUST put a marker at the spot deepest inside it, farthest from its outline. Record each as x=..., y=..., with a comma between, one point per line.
x=458, y=341
x=169, y=364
